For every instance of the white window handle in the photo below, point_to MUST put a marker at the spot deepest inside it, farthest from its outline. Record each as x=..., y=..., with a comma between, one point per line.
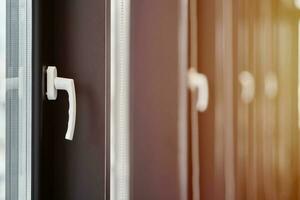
x=55, y=83
x=247, y=82
x=199, y=82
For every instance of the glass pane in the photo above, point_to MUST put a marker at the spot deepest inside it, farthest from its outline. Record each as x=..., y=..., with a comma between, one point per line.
x=15, y=99
x=2, y=99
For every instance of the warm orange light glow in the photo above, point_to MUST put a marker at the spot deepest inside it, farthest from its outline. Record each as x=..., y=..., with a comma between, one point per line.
x=297, y=3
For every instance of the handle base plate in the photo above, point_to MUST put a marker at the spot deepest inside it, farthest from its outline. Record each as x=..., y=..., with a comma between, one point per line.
x=51, y=90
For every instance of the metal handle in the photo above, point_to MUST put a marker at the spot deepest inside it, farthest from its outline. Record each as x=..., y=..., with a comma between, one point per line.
x=55, y=83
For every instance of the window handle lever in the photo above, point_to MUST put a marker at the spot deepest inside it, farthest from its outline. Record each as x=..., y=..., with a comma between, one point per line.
x=199, y=82
x=247, y=83
x=55, y=83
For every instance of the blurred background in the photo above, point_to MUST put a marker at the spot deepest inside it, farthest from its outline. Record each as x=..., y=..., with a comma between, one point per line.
x=246, y=143
x=249, y=135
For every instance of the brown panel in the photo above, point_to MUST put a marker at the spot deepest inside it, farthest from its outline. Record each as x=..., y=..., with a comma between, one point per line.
x=154, y=105
x=76, y=169
x=206, y=65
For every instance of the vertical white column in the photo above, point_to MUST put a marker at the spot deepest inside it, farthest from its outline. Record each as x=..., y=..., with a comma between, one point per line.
x=120, y=135
x=182, y=98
